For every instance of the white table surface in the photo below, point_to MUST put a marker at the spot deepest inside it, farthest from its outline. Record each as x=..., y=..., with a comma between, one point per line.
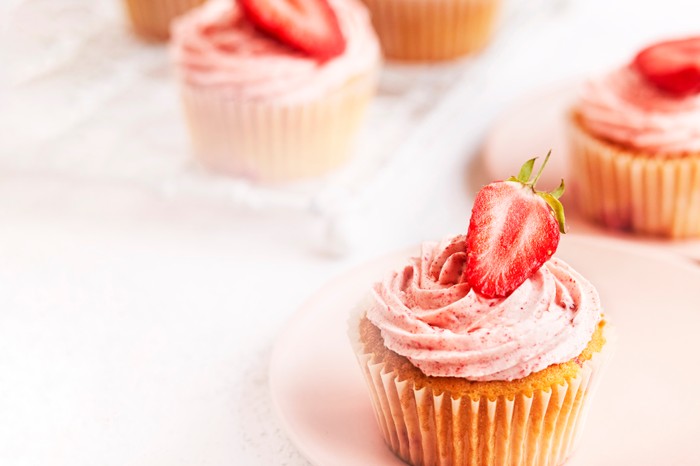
x=136, y=329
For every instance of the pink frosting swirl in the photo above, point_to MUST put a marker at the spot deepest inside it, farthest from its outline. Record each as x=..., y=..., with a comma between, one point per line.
x=215, y=46
x=427, y=314
x=623, y=107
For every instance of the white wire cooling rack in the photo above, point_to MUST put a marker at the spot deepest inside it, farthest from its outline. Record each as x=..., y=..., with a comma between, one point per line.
x=82, y=97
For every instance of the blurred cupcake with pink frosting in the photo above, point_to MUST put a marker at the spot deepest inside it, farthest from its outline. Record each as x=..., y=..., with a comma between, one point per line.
x=275, y=90
x=635, y=140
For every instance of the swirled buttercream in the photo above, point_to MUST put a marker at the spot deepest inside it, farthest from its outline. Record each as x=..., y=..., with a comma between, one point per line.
x=428, y=314
x=624, y=108
x=216, y=47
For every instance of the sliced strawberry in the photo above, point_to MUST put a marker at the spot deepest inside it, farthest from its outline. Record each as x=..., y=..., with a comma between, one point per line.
x=672, y=66
x=310, y=26
x=514, y=229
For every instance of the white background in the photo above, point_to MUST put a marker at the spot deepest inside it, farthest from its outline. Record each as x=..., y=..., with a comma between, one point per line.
x=135, y=327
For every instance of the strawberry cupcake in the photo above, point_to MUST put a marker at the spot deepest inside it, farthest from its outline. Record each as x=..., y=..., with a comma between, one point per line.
x=635, y=143
x=485, y=349
x=431, y=30
x=275, y=90
x=151, y=18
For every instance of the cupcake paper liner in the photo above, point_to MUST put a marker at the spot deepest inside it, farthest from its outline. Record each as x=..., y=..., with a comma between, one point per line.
x=151, y=18
x=425, y=428
x=431, y=30
x=631, y=190
x=265, y=141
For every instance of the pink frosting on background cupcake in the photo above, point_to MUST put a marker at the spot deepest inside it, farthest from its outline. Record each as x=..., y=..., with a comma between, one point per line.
x=624, y=108
x=429, y=315
x=216, y=47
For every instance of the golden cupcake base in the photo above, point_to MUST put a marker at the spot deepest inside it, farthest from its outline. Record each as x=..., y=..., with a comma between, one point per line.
x=621, y=188
x=432, y=30
x=433, y=421
x=272, y=142
x=151, y=18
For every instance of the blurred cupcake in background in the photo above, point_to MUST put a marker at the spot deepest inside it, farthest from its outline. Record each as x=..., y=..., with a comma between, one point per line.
x=432, y=30
x=635, y=143
x=275, y=91
x=151, y=18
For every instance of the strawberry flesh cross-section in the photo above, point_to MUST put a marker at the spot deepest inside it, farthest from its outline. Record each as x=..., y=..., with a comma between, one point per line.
x=513, y=231
x=310, y=26
x=672, y=66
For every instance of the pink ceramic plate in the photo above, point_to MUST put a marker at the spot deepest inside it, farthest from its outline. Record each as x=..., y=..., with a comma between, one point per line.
x=532, y=126
x=646, y=411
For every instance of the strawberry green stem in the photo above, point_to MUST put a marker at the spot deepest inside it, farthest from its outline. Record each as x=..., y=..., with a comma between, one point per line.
x=539, y=172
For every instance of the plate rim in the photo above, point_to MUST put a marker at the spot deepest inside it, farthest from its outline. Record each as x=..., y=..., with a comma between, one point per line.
x=290, y=324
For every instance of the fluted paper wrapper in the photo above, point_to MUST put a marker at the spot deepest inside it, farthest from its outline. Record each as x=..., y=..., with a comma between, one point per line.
x=151, y=18
x=629, y=190
x=265, y=141
x=431, y=30
x=426, y=429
